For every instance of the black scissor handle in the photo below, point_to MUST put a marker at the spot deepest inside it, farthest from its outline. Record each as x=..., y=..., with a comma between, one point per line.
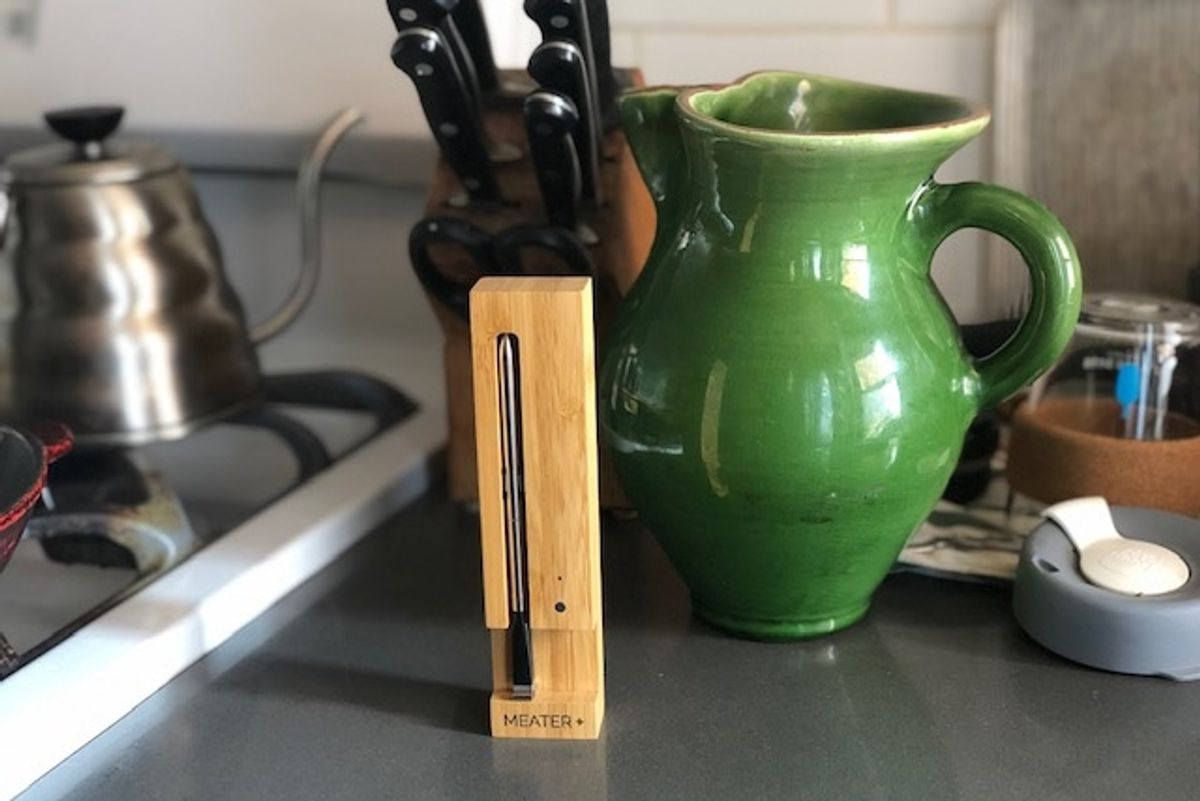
x=508, y=244
x=431, y=231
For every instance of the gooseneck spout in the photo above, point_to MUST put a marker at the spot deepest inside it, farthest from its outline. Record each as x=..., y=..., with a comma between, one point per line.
x=308, y=192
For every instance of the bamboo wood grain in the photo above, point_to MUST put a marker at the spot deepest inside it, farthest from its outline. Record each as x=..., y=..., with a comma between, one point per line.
x=570, y=667
x=553, y=322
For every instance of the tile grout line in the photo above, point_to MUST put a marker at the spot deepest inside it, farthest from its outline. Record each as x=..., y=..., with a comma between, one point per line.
x=787, y=29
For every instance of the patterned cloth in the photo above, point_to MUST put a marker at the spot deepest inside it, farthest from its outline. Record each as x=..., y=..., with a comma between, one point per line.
x=982, y=540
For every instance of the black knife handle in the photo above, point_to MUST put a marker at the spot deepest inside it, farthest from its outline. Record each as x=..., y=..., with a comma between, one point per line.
x=473, y=27
x=422, y=54
x=452, y=292
x=562, y=243
x=566, y=19
x=562, y=19
x=550, y=120
x=439, y=15
x=558, y=64
x=425, y=13
x=606, y=82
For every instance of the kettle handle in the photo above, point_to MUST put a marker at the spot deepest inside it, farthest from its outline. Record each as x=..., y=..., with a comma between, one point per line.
x=1055, y=283
x=308, y=194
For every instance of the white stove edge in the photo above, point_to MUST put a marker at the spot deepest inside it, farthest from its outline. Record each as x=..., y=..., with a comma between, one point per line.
x=67, y=697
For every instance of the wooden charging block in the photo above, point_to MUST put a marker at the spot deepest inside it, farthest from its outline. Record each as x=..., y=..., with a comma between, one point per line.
x=551, y=319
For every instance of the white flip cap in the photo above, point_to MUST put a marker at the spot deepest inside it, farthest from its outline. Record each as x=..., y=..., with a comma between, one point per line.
x=1114, y=562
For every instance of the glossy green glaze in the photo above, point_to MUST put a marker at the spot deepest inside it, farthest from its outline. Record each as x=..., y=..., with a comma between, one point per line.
x=785, y=393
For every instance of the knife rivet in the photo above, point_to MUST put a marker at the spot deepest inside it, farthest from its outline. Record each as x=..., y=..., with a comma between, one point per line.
x=560, y=607
x=559, y=21
x=423, y=70
x=407, y=14
x=448, y=128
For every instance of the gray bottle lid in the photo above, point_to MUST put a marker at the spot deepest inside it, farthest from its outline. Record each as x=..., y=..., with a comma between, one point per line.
x=1139, y=613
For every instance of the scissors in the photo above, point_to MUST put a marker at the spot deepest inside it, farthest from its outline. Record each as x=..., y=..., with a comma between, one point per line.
x=499, y=254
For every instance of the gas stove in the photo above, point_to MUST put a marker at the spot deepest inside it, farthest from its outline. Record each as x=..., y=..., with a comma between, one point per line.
x=113, y=521
x=143, y=561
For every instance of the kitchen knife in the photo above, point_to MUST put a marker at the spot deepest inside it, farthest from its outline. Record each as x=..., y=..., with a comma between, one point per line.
x=558, y=64
x=468, y=17
x=440, y=15
x=437, y=14
x=512, y=461
x=424, y=56
x=550, y=118
x=606, y=82
x=567, y=19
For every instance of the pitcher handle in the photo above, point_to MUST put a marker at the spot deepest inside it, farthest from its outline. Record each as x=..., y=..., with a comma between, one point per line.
x=1055, y=283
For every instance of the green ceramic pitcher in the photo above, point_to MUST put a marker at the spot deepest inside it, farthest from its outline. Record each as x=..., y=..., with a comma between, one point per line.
x=785, y=393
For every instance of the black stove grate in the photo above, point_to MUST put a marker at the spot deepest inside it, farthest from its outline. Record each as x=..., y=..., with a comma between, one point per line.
x=92, y=492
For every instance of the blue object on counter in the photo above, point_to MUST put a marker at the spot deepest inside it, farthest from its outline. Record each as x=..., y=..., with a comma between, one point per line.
x=1129, y=383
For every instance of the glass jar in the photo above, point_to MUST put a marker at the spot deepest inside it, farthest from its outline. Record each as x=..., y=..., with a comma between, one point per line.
x=1131, y=370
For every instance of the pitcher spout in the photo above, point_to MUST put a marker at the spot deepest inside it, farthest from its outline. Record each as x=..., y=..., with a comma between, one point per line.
x=652, y=129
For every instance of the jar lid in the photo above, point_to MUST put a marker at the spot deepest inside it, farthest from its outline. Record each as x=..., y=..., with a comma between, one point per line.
x=1131, y=313
x=88, y=156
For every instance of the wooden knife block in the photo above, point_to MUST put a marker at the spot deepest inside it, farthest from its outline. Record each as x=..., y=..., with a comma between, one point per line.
x=625, y=227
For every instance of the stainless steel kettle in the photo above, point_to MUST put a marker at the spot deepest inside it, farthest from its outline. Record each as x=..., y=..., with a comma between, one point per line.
x=119, y=319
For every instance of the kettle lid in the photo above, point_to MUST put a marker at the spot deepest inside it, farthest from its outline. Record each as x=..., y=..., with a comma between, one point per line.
x=87, y=156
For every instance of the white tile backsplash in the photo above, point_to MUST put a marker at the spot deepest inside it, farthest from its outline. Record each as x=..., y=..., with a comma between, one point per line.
x=267, y=65
x=754, y=14
x=283, y=65
x=954, y=62
x=947, y=13
x=626, y=48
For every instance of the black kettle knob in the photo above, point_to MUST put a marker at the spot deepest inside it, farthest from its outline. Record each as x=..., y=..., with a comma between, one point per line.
x=86, y=123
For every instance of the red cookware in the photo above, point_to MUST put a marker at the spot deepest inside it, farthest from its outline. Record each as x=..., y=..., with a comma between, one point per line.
x=24, y=458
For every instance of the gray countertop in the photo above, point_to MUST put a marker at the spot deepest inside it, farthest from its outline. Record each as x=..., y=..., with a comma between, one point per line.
x=371, y=682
